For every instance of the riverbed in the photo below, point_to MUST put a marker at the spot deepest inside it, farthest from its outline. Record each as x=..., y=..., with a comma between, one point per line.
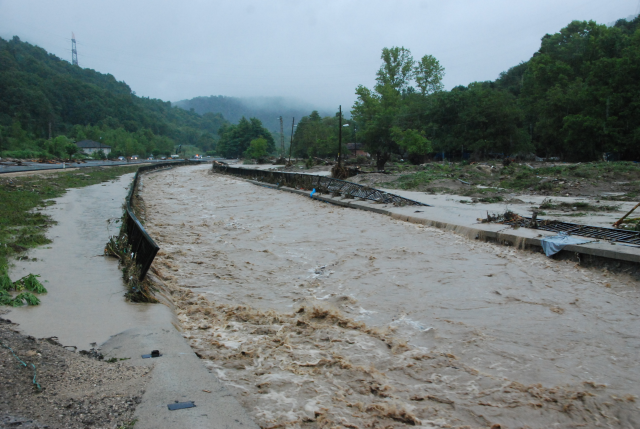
x=320, y=315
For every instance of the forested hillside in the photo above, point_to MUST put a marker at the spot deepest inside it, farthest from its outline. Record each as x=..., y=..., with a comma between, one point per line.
x=39, y=90
x=266, y=109
x=576, y=98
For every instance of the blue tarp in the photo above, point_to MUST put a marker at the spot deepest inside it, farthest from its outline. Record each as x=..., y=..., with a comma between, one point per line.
x=554, y=244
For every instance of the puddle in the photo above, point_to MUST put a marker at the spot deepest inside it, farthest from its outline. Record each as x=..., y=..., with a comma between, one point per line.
x=85, y=303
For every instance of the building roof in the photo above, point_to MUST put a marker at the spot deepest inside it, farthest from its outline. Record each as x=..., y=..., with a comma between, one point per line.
x=86, y=144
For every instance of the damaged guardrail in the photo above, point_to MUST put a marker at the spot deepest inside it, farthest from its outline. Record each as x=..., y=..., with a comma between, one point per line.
x=143, y=248
x=613, y=235
x=321, y=184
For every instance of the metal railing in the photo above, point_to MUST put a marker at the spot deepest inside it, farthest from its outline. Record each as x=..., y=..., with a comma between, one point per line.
x=598, y=232
x=321, y=184
x=143, y=248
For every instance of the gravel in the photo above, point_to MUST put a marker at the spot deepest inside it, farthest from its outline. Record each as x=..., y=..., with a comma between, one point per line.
x=77, y=390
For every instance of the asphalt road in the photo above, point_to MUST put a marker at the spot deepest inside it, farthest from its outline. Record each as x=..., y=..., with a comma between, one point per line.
x=35, y=166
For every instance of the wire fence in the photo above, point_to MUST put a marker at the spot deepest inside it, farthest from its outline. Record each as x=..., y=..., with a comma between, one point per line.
x=143, y=248
x=322, y=184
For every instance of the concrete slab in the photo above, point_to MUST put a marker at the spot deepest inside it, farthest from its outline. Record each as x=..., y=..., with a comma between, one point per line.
x=177, y=376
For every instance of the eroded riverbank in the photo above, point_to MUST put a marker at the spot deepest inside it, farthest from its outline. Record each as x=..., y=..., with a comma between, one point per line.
x=402, y=324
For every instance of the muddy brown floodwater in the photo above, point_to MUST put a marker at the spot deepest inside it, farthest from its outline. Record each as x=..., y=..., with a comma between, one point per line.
x=317, y=315
x=85, y=303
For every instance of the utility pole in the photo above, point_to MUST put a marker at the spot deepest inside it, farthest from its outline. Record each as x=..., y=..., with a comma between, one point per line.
x=49, y=130
x=281, y=139
x=340, y=138
x=355, y=144
x=293, y=120
x=74, y=51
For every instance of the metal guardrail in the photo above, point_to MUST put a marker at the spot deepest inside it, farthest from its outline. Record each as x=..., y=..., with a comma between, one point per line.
x=599, y=232
x=321, y=184
x=143, y=248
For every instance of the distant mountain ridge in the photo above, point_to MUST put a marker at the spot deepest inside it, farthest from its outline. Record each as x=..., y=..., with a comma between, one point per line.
x=267, y=109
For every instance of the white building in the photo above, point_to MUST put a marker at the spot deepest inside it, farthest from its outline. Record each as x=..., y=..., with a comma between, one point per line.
x=89, y=147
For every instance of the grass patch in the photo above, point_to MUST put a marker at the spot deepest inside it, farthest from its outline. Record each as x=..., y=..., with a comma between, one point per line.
x=22, y=225
x=491, y=200
x=419, y=177
x=521, y=177
x=549, y=204
x=577, y=214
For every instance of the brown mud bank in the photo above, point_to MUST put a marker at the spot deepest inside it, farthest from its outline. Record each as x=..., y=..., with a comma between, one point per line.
x=317, y=315
x=74, y=391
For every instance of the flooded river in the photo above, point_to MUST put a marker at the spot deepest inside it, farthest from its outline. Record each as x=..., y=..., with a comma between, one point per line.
x=326, y=316
x=85, y=303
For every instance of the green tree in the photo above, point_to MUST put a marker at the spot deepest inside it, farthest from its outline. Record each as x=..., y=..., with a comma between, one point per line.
x=397, y=68
x=428, y=75
x=71, y=149
x=316, y=136
x=257, y=149
x=412, y=141
x=580, y=90
x=235, y=139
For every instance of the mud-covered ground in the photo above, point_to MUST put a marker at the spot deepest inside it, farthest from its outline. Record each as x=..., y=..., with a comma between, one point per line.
x=319, y=316
x=618, y=181
x=76, y=391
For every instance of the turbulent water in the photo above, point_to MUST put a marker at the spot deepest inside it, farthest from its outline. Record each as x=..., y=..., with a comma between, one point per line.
x=323, y=316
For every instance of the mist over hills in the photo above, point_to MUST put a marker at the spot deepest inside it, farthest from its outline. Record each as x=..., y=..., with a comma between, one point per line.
x=267, y=109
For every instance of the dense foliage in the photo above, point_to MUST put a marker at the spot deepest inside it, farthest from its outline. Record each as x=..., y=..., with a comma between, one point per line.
x=236, y=139
x=39, y=90
x=577, y=98
x=580, y=91
x=317, y=136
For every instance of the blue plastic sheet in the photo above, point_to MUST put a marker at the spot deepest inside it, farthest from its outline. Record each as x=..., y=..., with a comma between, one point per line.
x=312, y=192
x=554, y=244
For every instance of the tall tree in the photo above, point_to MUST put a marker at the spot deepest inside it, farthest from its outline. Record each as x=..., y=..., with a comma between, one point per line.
x=429, y=74
x=376, y=110
x=397, y=68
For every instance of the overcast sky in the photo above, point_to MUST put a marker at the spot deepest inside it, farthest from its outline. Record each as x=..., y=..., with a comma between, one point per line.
x=312, y=50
